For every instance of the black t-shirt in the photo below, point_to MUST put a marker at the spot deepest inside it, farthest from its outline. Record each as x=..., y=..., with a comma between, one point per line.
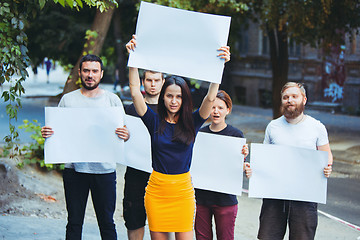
x=206, y=197
x=130, y=110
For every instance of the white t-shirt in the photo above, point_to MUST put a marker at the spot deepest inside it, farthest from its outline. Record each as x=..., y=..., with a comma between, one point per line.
x=76, y=99
x=309, y=133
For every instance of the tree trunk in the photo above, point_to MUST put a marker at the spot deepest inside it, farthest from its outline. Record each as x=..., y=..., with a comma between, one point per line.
x=120, y=47
x=280, y=65
x=101, y=25
x=226, y=83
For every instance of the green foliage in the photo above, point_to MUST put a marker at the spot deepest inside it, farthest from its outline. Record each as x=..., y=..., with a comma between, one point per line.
x=33, y=153
x=102, y=5
x=90, y=36
x=14, y=60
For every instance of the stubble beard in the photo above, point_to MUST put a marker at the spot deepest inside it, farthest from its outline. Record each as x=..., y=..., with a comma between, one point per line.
x=152, y=94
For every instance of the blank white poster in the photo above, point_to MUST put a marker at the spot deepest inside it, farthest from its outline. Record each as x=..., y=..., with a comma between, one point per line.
x=217, y=163
x=138, y=147
x=84, y=135
x=290, y=173
x=180, y=42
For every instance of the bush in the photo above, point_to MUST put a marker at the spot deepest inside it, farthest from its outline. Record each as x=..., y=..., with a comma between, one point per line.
x=33, y=153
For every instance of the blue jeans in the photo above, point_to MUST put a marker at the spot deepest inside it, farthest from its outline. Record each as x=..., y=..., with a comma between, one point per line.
x=276, y=214
x=103, y=194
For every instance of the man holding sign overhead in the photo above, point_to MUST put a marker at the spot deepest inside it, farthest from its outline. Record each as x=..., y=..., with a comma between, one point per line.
x=294, y=128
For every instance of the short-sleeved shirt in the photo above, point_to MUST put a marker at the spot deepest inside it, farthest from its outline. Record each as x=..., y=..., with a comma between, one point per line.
x=309, y=133
x=130, y=110
x=76, y=99
x=206, y=197
x=169, y=157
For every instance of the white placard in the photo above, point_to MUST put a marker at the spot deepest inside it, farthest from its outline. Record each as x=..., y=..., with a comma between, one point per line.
x=217, y=163
x=138, y=147
x=290, y=173
x=213, y=155
x=84, y=135
x=180, y=42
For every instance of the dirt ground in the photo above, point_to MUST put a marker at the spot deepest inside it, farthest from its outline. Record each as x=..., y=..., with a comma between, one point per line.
x=32, y=191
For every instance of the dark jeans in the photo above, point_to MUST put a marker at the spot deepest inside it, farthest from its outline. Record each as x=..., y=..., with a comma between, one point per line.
x=133, y=204
x=103, y=194
x=275, y=214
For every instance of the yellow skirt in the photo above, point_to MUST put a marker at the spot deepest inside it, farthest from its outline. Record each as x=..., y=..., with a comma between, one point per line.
x=170, y=202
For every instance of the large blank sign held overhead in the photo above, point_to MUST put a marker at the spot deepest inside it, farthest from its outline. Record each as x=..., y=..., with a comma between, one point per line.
x=291, y=173
x=180, y=42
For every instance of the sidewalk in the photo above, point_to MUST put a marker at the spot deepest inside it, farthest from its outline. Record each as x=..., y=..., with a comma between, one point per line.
x=33, y=227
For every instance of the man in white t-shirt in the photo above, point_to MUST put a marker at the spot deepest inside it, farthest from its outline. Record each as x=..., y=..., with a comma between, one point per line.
x=83, y=177
x=294, y=128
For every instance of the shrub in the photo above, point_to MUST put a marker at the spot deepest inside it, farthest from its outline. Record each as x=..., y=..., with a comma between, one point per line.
x=33, y=152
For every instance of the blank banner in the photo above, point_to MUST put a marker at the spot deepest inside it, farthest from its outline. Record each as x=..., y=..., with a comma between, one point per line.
x=180, y=42
x=84, y=135
x=138, y=147
x=290, y=173
x=217, y=163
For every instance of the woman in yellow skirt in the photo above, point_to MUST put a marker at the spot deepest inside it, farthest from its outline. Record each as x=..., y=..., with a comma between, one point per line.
x=170, y=197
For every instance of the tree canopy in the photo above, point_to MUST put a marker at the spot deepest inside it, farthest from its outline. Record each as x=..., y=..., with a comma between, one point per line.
x=58, y=33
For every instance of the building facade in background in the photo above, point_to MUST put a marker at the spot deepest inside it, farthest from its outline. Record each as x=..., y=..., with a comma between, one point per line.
x=332, y=79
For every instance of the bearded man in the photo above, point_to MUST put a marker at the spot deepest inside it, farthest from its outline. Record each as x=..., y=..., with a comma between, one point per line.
x=297, y=129
x=99, y=178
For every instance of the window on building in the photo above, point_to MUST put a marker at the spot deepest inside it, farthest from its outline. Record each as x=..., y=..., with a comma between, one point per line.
x=240, y=94
x=294, y=49
x=265, y=98
x=242, y=44
x=265, y=48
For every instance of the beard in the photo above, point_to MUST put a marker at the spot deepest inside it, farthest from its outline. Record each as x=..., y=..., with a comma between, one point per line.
x=83, y=83
x=292, y=113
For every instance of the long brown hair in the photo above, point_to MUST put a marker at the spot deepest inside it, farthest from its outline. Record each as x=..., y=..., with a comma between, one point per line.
x=184, y=131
